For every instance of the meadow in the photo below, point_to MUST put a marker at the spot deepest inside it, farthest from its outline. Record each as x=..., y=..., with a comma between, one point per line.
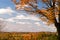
x=28, y=36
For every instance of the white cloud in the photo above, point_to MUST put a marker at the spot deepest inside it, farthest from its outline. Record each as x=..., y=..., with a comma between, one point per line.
x=36, y=27
x=7, y=10
x=19, y=17
x=20, y=7
x=37, y=23
x=11, y=20
x=23, y=22
x=10, y=27
x=27, y=17
x=1, y=19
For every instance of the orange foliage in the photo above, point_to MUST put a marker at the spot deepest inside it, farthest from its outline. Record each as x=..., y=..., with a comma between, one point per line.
x=48, y=14
x=23, y=2
x=44, y=0
x=26, y=36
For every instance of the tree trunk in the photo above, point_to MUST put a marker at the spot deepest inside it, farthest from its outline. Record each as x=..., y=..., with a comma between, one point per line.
x=58, y=30
x=57, y=25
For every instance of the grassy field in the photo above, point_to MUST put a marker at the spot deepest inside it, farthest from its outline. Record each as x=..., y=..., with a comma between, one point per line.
x=28, y=36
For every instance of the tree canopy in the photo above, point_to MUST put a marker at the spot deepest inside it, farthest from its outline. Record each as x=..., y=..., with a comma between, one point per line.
x=32, y=6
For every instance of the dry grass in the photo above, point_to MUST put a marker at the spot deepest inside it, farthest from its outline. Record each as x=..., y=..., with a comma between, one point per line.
x=26, y=36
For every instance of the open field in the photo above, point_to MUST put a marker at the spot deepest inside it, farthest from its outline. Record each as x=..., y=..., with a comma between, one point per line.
x=28, y=36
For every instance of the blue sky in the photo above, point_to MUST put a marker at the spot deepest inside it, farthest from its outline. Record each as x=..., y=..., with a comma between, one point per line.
x=9, y=3
x=8, y=12
x=6, y=3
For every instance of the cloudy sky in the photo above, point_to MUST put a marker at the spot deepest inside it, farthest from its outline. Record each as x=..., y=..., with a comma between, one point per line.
x=8, y=13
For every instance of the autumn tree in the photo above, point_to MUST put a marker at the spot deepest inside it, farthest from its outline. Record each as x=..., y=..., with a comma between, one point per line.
x=50, y=12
